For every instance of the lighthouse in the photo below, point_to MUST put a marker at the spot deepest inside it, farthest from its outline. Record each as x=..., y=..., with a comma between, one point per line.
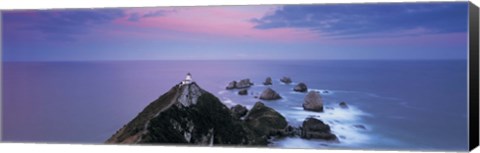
x=188, y=79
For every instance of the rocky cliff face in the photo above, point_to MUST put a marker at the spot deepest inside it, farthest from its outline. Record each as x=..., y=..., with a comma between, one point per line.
x=187, y=114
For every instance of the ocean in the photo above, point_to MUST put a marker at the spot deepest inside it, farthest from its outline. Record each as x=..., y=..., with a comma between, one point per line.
x=403, y=104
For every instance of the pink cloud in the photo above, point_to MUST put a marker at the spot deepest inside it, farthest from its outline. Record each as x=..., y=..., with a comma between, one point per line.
x=225, y=22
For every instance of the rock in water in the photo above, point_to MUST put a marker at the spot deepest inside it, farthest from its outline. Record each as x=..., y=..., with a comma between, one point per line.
x=269, y=94
x=301, y=87
x=313, y=128
x=243, y=92
x=268, y=81
x=313, y=102
x=343, y=105
x=266, y=120
x=232, y=85
x=286, y=80
x=187, y=114
x=239, y=111
x=245, y=83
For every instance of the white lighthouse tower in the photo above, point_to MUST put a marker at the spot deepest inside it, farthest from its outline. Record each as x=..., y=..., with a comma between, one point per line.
x=188, y=79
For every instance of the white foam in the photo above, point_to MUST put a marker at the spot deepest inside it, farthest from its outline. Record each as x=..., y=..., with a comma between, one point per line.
x=297, y=93
x=322, y=91
x=228, y=102
x=222, y=92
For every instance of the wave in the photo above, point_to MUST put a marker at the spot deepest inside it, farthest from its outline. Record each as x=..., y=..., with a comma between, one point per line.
x=228, y=102
x=323, y=91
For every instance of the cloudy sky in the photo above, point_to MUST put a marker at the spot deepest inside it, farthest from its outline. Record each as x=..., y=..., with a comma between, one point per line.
x=329, y=31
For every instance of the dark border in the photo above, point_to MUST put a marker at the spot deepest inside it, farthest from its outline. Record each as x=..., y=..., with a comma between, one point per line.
x=473, y=77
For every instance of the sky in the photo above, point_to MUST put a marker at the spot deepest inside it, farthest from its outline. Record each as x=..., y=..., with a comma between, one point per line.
x=383, y=31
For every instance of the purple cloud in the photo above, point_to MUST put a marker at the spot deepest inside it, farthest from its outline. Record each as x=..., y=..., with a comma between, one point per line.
x=137, y=16
x=370, y=20
x=59, y=24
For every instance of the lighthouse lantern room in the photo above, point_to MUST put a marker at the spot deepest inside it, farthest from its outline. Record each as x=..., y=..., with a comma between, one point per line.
x=188, y=79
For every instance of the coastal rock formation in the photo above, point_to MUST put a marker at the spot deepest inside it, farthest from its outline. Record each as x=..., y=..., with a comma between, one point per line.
x=267, y=121
x=232, y=85
x=269, y=94
x=313, y=102
x=301, y=87
x=187, y=114
x=343, y=105
x=286, y=80
x=243, y=92
x=268, y=81
x=313, y=128
x=245, y=83
x=239, y=111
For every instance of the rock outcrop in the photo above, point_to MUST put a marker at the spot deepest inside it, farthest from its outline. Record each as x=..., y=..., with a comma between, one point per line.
x=268, y=81
x=286, y=80
x=245, y=83
x=313, y=102
x=269, y=94
x=243, y=92
x=343, y=105
x=313, y=128
x=187, y=114
x=232, y=85
x=239, y=111
x=301, y=87
x=267, y=121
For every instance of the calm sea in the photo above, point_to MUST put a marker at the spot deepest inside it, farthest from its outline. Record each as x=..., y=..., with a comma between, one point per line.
x=409, y=105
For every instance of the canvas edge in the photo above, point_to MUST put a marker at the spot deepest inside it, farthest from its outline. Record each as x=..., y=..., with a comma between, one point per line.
x=1, y=77
x=473, y=76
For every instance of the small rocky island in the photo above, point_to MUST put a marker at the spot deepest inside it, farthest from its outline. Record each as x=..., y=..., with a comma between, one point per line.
x=187, y=114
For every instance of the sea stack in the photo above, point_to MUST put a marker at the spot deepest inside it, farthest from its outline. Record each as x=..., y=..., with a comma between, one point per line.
x=313, y=102
x=268, y=81
x=301, y=87
x=243, y=92
x=313, y=128
x=269, y=94
x=245, y=83
x=343, y=105
x=286, y=80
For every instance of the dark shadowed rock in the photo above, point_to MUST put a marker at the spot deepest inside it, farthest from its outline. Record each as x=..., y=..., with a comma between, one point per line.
x=343, y=105
x=313, y=102
x=301, y=87
x=313, y=128
x=243, y=92
x=232, y=85
x=239, y=111
x=245, y=83
x=286, y=80
x=268, y=81
x=266, y=120
x=269, y=94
